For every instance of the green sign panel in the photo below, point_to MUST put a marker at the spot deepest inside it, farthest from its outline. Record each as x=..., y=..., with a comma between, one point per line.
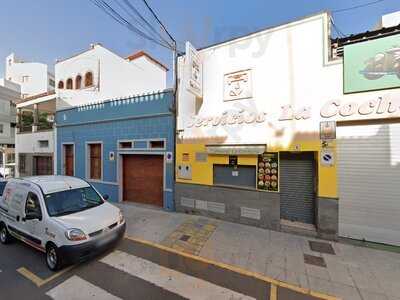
x=372, y=65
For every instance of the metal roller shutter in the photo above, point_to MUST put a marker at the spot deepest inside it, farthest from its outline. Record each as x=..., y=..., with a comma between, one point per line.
x=369, y=182
x=297, y=187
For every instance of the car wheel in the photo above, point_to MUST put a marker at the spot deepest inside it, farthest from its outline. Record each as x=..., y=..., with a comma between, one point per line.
x=5, y=236
x=53, y=259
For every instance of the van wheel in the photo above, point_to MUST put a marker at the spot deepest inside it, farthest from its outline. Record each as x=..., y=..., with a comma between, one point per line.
x=53, y=259
x=5, y=236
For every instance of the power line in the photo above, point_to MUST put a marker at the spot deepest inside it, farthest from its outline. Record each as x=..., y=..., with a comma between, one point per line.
x=133, y=28
x=159, y=22
x=137, y=13
x=356, y=6
x=146, y=29
x=121, y=20
x=336, y=28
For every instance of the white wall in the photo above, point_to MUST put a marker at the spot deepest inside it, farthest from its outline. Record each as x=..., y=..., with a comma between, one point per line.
x=289, y=66
x=114, y=76
x=7, y=114
x=392, y=19
x=36, y=75
x=10, y=85
x=29, y=142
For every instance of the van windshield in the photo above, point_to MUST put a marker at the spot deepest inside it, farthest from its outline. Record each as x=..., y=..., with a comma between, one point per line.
x=72, y=201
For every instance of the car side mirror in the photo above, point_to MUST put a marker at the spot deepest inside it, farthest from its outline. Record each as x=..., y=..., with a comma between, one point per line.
x=32, y=215
x=106, y=197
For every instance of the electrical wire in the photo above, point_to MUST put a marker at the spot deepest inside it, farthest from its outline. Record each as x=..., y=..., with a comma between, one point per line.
x=336, y=28
x=158, y=20
x=137, y=13
x=121, y=20
x=144, y=28
x=129, y=25
x=356, y=6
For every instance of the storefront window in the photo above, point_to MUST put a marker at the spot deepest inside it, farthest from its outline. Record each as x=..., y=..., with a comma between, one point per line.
x=235, y=176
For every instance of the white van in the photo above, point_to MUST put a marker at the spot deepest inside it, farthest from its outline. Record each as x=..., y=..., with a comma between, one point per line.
x=64, y=217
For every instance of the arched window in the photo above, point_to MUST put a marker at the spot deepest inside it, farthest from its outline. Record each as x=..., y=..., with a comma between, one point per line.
x=88, y=79
x=78, y=82
x=61, y=84
x=69, y=84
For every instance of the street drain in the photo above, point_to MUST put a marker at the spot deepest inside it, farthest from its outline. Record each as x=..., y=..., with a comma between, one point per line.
x=321, y=247
x=314, y=260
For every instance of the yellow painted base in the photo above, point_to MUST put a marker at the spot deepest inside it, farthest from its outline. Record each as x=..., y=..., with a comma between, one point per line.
x=202, y=171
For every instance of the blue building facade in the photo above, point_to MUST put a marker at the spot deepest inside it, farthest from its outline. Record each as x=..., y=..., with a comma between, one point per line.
x=124, y=147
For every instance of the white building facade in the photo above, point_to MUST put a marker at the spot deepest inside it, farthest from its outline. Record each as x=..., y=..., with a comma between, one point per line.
x=98, y=74
x=9, y=95
x=33, y=151
x=34, y=78
x=93, y=75
x=35, y=136
x=258, y=144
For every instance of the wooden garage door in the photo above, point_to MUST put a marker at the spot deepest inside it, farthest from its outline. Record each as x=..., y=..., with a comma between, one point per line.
x=143, y=179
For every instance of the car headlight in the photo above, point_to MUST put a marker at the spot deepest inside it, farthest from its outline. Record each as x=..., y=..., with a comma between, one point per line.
x=75, y=234
x=121, y=218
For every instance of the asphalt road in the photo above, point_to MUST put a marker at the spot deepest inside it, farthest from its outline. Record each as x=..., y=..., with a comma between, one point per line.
x=133, y=270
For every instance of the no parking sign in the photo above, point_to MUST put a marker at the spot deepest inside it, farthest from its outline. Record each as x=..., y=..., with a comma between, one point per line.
x=169, y=157
x=327, y=157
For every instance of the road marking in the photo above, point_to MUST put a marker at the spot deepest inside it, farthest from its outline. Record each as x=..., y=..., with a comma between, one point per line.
x=274, y=292
x=39, y=281
x=238, y=270
x=176, y=282
x=78, y=289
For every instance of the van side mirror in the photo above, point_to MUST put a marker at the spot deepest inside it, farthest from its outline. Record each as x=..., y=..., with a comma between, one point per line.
x=106, y=197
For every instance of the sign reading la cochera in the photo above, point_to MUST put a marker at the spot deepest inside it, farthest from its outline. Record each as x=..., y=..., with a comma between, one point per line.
x=376, y=106
x=380, y=106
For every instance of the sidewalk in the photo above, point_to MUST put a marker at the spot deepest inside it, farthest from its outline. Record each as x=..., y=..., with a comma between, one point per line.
x=350, y=273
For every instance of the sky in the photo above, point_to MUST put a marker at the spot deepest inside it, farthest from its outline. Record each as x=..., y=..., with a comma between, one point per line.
x=46, y=30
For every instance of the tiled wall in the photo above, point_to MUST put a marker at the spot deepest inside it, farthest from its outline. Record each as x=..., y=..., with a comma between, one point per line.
x=144, y=117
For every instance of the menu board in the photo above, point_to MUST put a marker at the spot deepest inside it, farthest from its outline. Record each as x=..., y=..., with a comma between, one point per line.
x=267, y=171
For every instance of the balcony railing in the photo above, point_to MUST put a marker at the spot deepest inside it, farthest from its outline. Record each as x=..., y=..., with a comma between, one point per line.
x=45, y=126
x=31, y=128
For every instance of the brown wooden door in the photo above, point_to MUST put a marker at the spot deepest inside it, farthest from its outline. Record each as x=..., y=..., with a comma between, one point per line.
x=69, y=160
x=143, y=179
x=43, y=165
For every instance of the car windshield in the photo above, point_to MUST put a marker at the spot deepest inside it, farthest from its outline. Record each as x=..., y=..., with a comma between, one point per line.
x=72, y=201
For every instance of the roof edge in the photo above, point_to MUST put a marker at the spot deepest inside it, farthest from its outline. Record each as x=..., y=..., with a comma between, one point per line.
x=144, y=53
